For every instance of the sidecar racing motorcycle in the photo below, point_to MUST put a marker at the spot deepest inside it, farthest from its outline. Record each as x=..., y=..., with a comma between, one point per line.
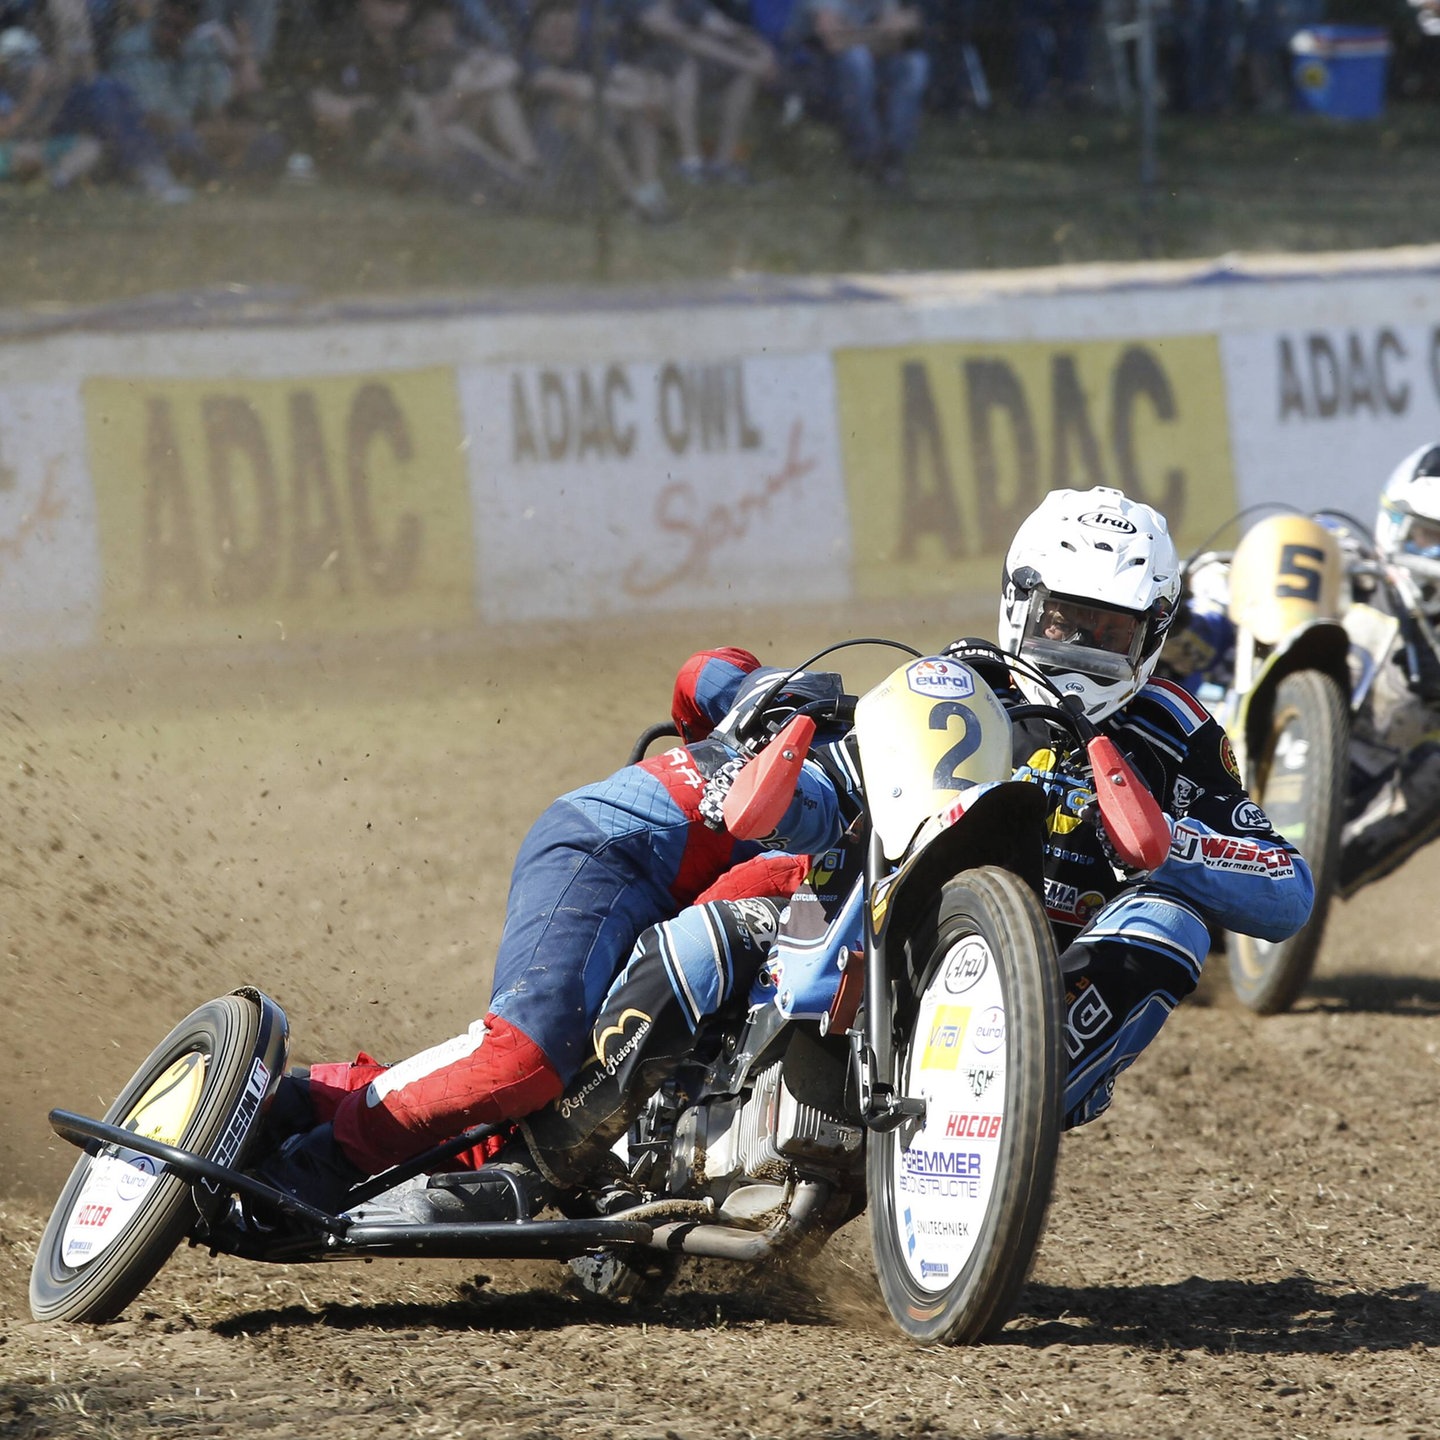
x=1283, y=696
x=1314, y=622
x=909, y=1061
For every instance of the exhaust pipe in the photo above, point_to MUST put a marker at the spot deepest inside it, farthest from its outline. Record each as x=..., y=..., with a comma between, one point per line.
x=729, y=1242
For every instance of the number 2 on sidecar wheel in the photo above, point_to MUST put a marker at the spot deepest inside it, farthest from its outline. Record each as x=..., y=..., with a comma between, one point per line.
x=121, y=1214
x=957, y=1203
x=1300, y=784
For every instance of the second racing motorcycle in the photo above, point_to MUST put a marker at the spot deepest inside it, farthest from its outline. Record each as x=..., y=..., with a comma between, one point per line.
x=1283, y=696
x=1287, y=640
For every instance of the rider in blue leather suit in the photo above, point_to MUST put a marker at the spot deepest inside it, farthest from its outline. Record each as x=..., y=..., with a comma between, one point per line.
x=1090, y=585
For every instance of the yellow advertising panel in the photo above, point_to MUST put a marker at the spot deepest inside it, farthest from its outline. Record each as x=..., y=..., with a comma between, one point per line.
x=948, y=447
x=238, y=509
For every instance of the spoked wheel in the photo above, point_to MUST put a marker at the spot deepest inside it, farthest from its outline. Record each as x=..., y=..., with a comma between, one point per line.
x=1300, y=782
x=957, y=1201
x=121, y=1214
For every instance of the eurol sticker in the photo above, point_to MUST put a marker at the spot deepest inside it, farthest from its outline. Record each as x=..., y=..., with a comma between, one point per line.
x=945, y=678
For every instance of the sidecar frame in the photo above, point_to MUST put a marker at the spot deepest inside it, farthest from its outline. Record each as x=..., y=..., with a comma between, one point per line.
x=315, y=1234
x=676, y=1226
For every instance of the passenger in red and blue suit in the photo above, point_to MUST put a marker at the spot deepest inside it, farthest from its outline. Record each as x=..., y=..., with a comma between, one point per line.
x=600, y=866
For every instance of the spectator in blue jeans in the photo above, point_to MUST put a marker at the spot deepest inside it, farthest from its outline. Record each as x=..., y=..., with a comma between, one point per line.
x=876, y=79
x=1052, y=43
x=39, y=101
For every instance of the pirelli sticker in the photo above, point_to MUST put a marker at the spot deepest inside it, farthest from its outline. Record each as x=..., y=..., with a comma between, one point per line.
x=233, y=509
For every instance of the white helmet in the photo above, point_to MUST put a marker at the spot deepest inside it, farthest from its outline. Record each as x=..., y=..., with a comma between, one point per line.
x=1090, y=586
x=1407, y=530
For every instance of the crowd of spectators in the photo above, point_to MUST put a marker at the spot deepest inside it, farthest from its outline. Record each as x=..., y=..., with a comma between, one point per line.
x=498, y=98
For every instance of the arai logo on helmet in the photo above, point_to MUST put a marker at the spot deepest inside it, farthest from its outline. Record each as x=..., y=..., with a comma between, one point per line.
x=940, y=677
x=1107, y=520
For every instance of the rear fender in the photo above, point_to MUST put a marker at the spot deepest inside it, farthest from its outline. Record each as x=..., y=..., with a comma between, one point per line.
x=272, y=1046
x=272, y=1052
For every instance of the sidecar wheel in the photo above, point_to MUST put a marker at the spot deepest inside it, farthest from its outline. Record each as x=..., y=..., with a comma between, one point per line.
x=121, y=1214
x=1300, y=784
x=957, y=1202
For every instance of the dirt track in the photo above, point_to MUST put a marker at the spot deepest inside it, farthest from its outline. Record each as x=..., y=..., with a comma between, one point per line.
x=1244, y=1246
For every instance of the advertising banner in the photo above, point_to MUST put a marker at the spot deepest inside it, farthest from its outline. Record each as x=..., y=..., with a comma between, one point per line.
x=439, y=466
x=49, y=562
x=1321, y=415
x=607, y=489
x=948, y=447
x=233, y=509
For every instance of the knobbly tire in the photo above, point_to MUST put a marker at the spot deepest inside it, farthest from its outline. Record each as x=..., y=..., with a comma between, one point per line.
x=121, y=1214
x=957, y=1203
x=1300, y=784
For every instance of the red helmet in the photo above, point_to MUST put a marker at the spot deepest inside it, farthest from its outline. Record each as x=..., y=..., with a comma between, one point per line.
x=706, y=687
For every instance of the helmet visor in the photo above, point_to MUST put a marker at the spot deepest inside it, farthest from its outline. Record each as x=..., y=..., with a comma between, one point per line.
x=1062, y=633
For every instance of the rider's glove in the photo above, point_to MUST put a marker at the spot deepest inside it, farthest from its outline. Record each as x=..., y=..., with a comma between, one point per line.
x=717, y=787
x=1128, y=873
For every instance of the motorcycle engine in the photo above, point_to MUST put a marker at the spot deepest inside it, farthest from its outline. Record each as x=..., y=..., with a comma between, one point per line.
x=790, y=1120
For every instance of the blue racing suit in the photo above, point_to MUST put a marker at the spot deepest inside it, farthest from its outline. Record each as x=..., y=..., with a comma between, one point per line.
x=605, y=862
x=680, y=972
x=601, y=865
x=1132, y=945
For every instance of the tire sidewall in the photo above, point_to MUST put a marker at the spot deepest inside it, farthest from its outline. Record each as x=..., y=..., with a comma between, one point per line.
x=978, y=1300
x=1268, y=977
x=227, y=1031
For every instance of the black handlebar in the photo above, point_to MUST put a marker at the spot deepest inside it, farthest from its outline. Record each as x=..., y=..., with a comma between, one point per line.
x=648, y=736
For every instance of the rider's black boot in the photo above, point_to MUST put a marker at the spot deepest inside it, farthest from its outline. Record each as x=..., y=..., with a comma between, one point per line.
x=290, y=1113
x=291, y=1109
x=312, y=1167
x=643, y=1033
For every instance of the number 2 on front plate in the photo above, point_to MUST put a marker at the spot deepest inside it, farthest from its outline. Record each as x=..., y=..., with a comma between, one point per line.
x=947, y=770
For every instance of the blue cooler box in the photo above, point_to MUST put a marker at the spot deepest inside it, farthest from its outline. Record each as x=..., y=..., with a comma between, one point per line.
x=1340, y=70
